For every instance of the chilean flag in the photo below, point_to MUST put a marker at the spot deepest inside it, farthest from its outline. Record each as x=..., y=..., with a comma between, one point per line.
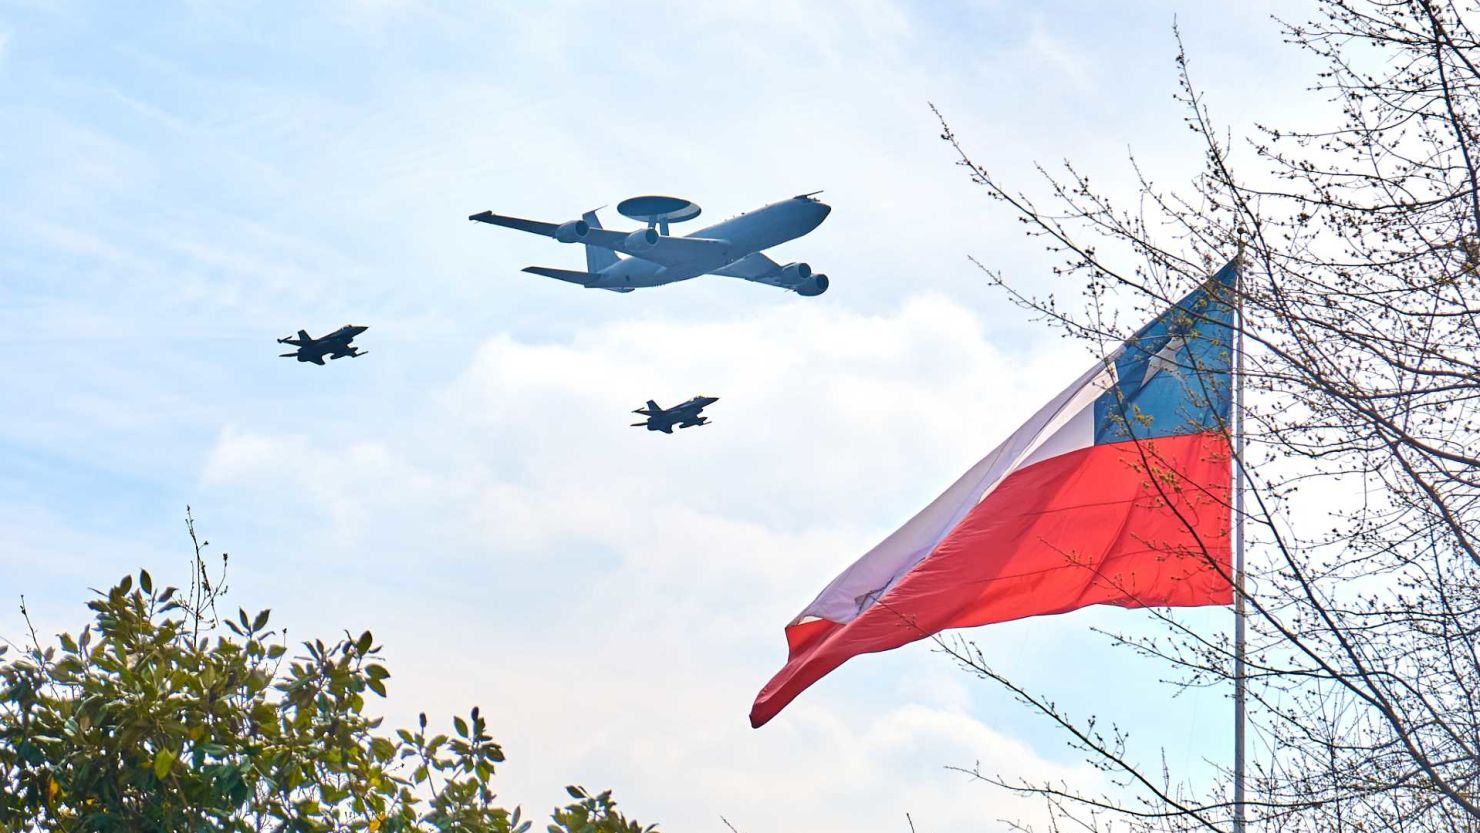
x=1116, y=492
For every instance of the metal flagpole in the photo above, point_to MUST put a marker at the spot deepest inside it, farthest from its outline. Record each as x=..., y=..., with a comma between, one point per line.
x=1239, y=820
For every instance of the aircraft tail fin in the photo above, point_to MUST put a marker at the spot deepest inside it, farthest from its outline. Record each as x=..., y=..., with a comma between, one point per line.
x=303, y=335
x=586, y=279
x=653, y=406
x=597, y=258
x=569, y=275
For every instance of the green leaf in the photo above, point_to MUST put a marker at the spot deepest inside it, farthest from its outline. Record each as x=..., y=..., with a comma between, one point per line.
x=261, y=620
x=146, y=582
x=163, y=760
x=461, y=726
x=364, y=642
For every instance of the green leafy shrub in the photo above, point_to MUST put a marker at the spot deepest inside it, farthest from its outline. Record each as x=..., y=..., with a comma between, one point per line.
x=162, y=715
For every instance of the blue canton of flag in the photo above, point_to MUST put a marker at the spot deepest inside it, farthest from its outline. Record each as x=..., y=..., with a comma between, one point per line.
x=1174, y=376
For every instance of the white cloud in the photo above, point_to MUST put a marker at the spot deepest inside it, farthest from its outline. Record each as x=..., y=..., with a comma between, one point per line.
x=1047, y=49
x=815, y=403
x=644, y=579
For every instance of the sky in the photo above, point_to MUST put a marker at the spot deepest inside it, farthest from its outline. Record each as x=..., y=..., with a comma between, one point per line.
x=182, y=183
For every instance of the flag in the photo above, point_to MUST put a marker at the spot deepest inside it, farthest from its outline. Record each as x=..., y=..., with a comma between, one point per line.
x=1116, y=492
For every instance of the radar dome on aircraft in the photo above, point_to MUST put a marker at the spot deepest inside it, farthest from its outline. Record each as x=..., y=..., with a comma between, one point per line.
x=658, y=210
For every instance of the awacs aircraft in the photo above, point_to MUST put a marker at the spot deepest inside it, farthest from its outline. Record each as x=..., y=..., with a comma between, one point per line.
x=335, y=345
x=732, y=248
x=685, y=415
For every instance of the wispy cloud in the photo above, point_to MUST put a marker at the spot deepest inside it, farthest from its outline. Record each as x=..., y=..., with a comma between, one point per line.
x=1049, y=50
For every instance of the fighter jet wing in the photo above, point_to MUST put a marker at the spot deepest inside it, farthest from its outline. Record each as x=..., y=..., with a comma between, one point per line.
x=668, y=251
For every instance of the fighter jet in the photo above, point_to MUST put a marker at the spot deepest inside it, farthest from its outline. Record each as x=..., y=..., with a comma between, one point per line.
x=685, y=415
x=732, y=248
x=335, y=345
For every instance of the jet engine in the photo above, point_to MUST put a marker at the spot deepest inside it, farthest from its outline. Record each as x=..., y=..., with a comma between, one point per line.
x=572, y=231
x=812, y=287
x=794, y=275
x=642, y=239
x=798, y=278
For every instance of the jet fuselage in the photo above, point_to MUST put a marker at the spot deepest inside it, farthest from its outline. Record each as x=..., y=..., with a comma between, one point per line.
x=683, y=415
x=335, y=345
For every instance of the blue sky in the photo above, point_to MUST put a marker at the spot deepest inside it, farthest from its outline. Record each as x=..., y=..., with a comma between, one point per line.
x=182, y=183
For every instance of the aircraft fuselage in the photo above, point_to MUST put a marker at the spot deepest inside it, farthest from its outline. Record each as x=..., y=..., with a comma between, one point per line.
x=751, y=232
x=683, y=415
x=335, y=345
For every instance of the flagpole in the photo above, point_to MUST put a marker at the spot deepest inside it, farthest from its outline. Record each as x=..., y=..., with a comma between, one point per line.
x=1239, y=820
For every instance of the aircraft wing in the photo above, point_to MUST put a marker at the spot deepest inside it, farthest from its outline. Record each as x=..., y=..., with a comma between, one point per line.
x=756, y=267
x=668, y=251
x=531, y=226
